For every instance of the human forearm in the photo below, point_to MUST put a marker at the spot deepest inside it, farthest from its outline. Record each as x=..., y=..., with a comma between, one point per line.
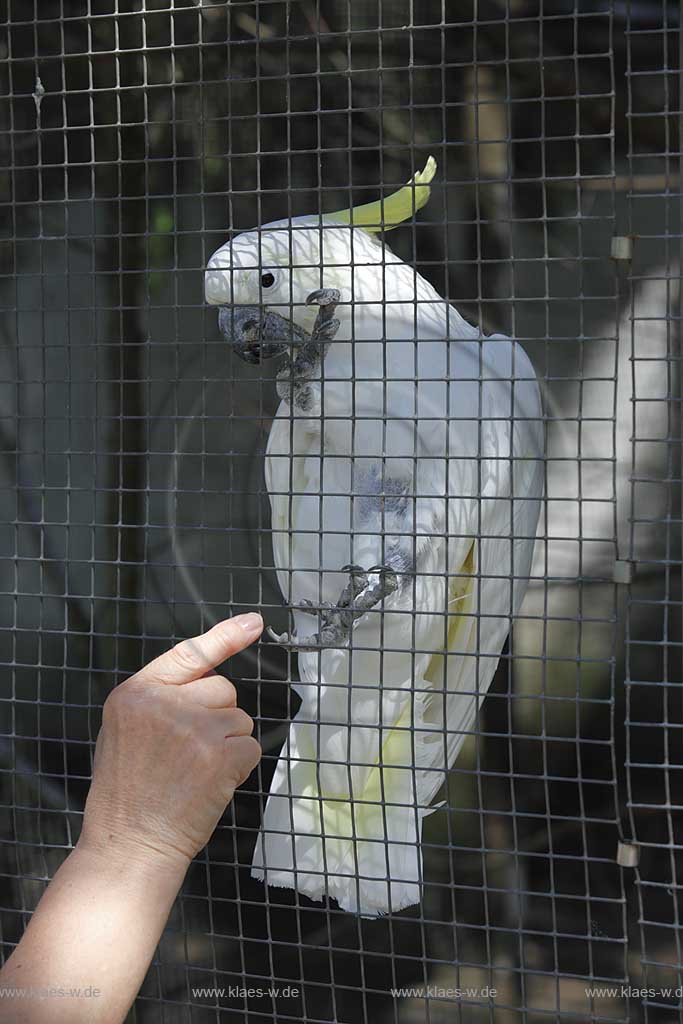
x=95, y=931
x=172, y=748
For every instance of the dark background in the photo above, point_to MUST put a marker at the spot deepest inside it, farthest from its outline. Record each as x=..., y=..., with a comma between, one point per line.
x=131, y=494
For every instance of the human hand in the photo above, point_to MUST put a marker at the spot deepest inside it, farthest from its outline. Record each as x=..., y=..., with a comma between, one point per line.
x=172, y=749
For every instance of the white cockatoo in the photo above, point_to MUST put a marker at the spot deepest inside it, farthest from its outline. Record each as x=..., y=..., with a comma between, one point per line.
x=405, y=474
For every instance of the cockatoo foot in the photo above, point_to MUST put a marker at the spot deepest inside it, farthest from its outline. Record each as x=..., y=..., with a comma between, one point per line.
x=365, y=590
x=296, y=382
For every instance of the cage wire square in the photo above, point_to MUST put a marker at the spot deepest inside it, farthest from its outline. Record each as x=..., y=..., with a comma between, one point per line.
x=138, y=136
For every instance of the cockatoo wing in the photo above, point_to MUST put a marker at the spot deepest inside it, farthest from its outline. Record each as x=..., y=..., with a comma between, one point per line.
x=509, y=492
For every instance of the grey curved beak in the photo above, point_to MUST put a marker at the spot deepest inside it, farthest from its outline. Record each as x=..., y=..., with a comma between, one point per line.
x=256, y=334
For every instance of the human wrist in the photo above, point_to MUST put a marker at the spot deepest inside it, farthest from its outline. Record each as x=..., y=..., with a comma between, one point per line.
x=112, y=853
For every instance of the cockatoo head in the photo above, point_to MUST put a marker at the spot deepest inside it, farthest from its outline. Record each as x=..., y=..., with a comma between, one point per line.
x=262, y=278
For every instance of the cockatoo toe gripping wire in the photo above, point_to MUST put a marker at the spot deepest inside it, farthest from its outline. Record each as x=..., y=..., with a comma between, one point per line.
x=405, y=473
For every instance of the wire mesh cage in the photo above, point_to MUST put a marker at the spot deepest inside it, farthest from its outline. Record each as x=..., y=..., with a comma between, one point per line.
x=140, y=504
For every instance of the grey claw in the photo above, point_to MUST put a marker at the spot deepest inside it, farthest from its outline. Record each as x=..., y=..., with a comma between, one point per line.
x=312, y=607
x=324, y=297
x=387, y=576
x=280, y=638
x=358, y=582
x=307, y=643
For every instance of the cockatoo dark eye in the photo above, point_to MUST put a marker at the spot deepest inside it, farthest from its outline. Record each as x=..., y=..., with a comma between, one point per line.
x=267, y=280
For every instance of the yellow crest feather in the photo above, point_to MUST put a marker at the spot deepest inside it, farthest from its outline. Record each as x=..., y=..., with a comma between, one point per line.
x=386, y=214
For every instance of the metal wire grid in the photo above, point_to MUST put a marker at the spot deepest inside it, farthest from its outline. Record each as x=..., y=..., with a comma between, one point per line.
x=130, y=526
x=653, y=672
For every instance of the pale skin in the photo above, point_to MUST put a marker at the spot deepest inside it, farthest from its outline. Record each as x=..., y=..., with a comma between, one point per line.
x=173, y=748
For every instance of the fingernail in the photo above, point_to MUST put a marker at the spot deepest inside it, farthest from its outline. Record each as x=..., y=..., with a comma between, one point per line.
x=251, y=623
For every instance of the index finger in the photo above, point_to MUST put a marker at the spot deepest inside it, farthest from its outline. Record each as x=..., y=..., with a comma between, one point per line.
x=191, y=658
